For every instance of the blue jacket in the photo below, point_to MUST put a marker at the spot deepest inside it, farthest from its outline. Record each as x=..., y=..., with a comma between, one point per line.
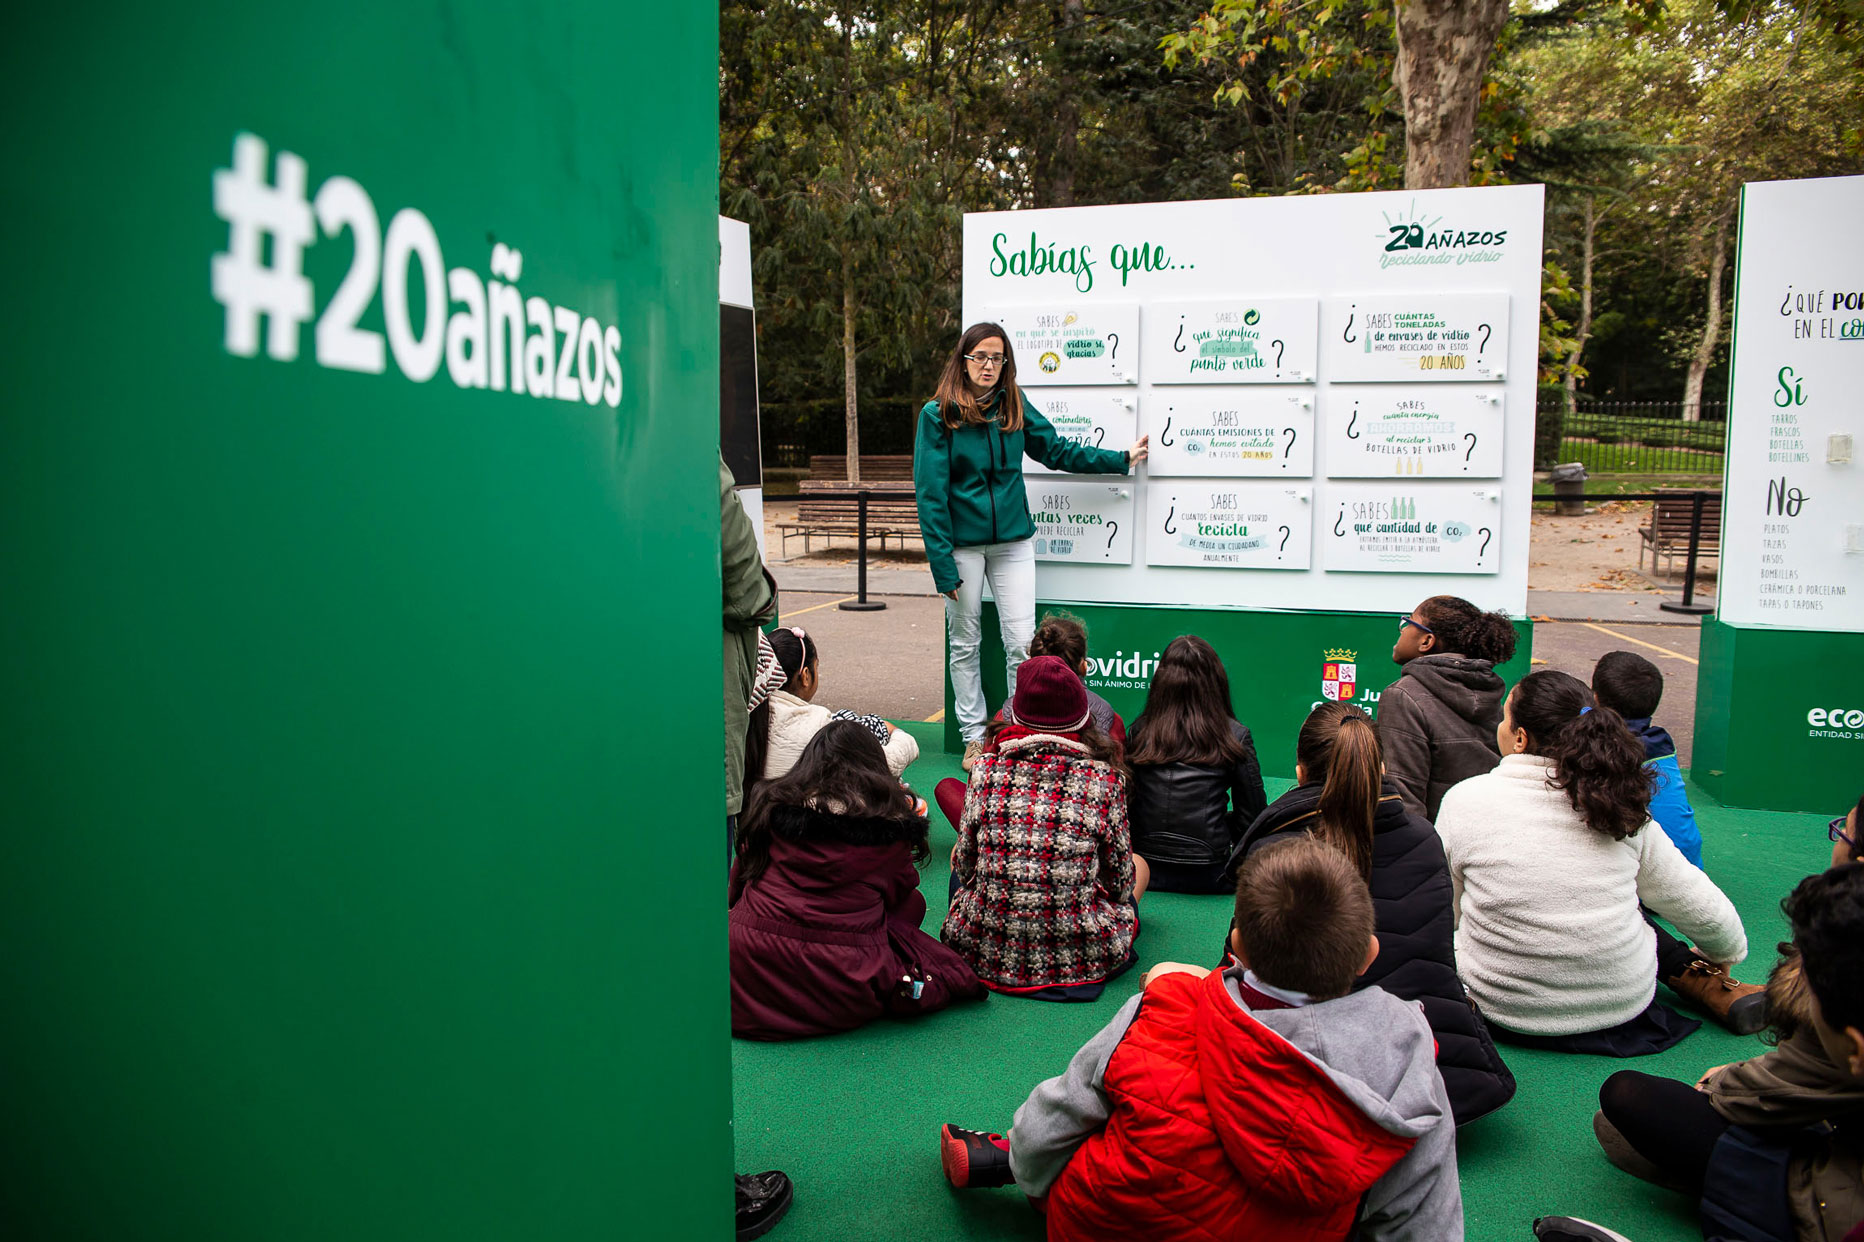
x=1669, y=804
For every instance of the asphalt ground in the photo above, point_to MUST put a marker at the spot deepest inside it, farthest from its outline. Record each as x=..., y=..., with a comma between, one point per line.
x=891, y=662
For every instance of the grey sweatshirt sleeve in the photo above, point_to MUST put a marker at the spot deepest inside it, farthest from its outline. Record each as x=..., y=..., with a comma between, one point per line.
x=1420, y=1199
x=1065, y=1111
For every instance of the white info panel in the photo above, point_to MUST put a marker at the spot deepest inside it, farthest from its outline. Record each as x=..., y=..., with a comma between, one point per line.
x=1231, y=432
x=1237, y=341
x=1435, y=529
x=1411, y=431
x=1072, y=342
x=1422, y=336
x=1098, y=417
x=1206, y=525
x=1080, y=522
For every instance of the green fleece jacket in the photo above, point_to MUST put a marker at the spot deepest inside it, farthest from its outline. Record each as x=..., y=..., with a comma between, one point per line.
x=970, y=481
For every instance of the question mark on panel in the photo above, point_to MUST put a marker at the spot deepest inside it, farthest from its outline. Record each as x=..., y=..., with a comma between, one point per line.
x=1165, y=435
x=1113, y=338
x=1285, y=532
x=1169, y=528
x=1339, y=524
x=1350, y=433
x=1471, y=437
x=1100, y=434
x=1486, y=332
x=1486, y=536
x=1113, y=528
x=1177, y=344
x=1278, y=353
x=1289, y=432
x=1347, y=335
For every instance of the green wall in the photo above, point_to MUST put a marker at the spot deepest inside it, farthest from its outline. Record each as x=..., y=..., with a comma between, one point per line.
x=361, y=748
x=1274, y=660
x=1764, y=731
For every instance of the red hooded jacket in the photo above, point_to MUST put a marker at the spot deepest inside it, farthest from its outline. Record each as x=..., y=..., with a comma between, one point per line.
x=1220, y=1128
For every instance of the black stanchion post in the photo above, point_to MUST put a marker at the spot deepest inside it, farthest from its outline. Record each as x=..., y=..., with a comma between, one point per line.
x=861, y=603
x=1688, y=604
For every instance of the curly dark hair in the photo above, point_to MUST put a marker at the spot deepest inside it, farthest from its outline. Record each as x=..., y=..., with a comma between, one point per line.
x=1464, y=629
x=842, y=771
x=1596, y=760
x=1827, y=914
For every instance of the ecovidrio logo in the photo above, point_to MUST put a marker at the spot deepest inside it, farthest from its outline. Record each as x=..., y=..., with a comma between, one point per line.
x=1845, y=723
x=1413, y=238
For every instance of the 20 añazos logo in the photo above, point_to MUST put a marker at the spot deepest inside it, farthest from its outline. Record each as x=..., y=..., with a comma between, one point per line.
x=1843, y=723
x=1412, y=238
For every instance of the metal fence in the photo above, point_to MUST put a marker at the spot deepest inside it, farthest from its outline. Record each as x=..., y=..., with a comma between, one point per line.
x=1639, y=437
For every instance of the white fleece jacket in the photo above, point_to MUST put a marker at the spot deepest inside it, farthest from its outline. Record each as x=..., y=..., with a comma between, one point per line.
x=794, y=721
x=1549, y=940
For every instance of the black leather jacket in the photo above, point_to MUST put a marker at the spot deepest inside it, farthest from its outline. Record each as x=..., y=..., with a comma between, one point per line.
x=1189, y=814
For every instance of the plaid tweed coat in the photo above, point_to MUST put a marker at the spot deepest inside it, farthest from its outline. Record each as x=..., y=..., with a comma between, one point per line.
x=1043, y=872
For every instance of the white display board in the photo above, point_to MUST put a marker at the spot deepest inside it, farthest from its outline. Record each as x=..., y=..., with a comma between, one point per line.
x=1229, y=525
x=1098, y=417
x=1081, y=522
x=1239, y=341
x=1442, y=529
x=1071, y=342
x=1793, y=500
x=1232, y=432
x=1428, y=335
x=1358, y=289
x=1415, y=431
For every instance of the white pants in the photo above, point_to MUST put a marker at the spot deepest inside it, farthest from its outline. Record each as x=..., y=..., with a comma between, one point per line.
x=1011, y=569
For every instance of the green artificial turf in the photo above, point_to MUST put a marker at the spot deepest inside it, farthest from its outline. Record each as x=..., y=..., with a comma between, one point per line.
x=854, y=1118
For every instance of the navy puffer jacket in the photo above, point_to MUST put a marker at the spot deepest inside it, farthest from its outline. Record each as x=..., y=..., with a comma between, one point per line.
x=1412, y=916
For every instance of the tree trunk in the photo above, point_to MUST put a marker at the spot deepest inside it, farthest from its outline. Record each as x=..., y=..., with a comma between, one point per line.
x=1444, y=48
x=851, y=413
x=1712, y=327
x=1055, y=166
x=1584, y=329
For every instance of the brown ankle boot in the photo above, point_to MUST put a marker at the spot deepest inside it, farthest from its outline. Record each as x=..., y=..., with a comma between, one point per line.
x=1741, y=1007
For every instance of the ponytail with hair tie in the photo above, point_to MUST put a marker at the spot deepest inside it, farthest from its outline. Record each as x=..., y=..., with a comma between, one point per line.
x=1338, y=747
x=1595, y=758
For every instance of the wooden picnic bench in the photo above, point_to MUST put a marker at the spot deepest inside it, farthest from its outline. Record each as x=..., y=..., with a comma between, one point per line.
x=875, y=467
x=827, y=508
x=1667, y=534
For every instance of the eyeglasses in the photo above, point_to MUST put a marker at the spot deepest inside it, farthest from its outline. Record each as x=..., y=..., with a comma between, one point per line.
x=1404, y=621
x=1836, y=831
x=985, y=360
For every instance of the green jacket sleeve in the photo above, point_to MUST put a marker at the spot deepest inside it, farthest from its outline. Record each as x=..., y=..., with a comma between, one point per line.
x=1042, y=442
x=750, y=596
x=932, y=483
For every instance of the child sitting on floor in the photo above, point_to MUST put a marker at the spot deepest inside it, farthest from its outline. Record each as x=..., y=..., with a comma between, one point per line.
x=784, y=717
x=825, y=901
x=1267, y=1100
x=1632, y=686
x=1045, y=886
x=1063, y=636
x=1437, y=721
x=1551, y=859
x=1196, y=782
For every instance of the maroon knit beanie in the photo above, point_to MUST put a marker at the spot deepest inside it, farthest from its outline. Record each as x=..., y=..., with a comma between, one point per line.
x=1049, y=695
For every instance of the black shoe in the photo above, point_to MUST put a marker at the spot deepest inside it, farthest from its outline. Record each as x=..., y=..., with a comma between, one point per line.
x=763, y=1198
x=1572, y=1229
x=973, y=1158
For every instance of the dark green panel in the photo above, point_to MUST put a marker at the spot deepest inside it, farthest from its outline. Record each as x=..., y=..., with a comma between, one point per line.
x=1780, y=718
x=1274, y=660
x=362, y=734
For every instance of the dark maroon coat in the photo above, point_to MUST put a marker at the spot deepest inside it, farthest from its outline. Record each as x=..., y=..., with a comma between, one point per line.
x=820, y=941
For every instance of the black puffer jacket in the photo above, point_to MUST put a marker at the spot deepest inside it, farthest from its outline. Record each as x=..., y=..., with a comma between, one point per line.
x=1416, y=961
x=1191, y=815
x=1437, y=727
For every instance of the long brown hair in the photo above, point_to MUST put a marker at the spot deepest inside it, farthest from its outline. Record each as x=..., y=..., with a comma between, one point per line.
x=956, y=404
x=1338, y=748
x=1595, y=759
x=1187, y=718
